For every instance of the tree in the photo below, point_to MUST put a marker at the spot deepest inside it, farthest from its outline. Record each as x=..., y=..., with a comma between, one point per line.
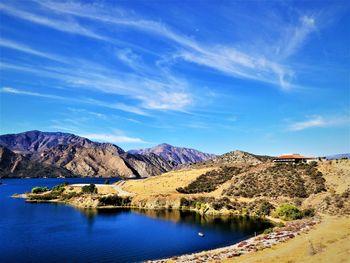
x=89, y=189
x=39, y=190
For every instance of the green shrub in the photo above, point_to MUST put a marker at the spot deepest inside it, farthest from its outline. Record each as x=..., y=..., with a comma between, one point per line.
x=60, y=188
x=209, y=181
x=288, y=212
x=279, y=180
x=265, y=208
x=89, y=189
x=38, y=189
x=114, y=200
x=309, y=212
x=45, y=197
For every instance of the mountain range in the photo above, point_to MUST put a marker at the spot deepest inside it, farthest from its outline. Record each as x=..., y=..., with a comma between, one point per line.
x=16, y=165
x=338, y=156
x=79, y=156
x=175, y=155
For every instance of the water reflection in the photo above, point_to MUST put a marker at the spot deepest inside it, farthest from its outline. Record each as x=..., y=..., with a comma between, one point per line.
x=231, y=223
x=215, y=222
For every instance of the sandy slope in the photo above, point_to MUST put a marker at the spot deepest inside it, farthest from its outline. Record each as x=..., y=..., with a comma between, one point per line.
x=330, y=239
x=163, y=184
x=337, y=174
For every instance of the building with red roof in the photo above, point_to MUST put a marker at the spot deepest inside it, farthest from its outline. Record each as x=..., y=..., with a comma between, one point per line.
x=293, y=158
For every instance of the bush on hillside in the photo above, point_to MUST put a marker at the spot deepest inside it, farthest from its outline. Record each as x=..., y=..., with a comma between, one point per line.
x=279, y=180
x=255, y=208
x=60, y=188
x=209, y=181
x=39, y=190
x=288, y=212
x=89, y=189
x=265, y=208
x=308, y=212
x=114, y=200
x=44, y=197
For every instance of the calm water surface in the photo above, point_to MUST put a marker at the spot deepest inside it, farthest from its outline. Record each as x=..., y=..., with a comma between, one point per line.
x=60, y=233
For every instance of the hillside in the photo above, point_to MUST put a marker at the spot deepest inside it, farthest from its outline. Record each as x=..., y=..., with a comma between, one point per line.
x=82, y=156
x=239, y=158
x=323, y=186
x=16, y=165
x=175, y=155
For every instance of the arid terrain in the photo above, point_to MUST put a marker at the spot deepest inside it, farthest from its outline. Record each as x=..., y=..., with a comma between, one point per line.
x=318, y=191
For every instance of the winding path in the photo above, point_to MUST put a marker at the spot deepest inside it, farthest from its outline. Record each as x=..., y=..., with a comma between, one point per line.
x=120, y=191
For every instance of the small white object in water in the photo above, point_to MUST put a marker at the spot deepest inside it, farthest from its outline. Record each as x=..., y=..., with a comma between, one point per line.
x=200, y=234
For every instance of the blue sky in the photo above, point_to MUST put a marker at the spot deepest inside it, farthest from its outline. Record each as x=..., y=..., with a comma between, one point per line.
x=268, y=77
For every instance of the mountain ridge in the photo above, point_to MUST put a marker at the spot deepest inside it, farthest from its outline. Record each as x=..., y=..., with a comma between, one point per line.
x=175, y=155
x=82, y=156
x=13, y=165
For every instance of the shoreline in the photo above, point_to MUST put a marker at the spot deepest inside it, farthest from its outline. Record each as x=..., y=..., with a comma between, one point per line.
x=278, y=241
x=274, y=221
x=250, y=245
x=245, y=246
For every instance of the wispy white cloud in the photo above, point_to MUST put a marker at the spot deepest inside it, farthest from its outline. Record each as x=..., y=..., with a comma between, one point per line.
x=129, y=57
x=151, y=88
x=116, y=106
x=119, y=17
x=66, y=26
x=102, y=137
x=233, y=62
x=225, y=59
x=320, y=122
x=296, y=36
x=163, y=94
x=92, y=113
x=153, y=92
x=23, y=48
x=30, y=93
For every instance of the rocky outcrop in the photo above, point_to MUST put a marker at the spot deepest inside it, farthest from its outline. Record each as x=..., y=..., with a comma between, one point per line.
x=147, y=165
x=240, y=157
x=82, y=156
x=175, y=155
x=16, y=165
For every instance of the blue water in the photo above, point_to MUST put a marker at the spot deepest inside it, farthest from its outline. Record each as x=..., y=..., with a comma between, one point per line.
x=60, y=233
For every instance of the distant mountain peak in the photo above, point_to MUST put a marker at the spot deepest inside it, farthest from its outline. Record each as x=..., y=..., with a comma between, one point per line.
x=176, y=155
x=164, y=144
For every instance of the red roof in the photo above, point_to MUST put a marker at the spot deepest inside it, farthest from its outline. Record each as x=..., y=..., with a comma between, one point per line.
x=291, y=156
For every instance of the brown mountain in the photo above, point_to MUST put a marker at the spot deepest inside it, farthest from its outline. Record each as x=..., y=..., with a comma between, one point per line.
x=82, y=156
x=175, y=155
x=16, y=165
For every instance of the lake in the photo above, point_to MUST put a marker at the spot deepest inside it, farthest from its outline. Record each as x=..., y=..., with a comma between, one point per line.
x=60, y=233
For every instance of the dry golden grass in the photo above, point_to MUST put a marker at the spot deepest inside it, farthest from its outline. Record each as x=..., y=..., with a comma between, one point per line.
x=336, y=174
x=101, y=189
x=330, y=243
x=163, y=184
